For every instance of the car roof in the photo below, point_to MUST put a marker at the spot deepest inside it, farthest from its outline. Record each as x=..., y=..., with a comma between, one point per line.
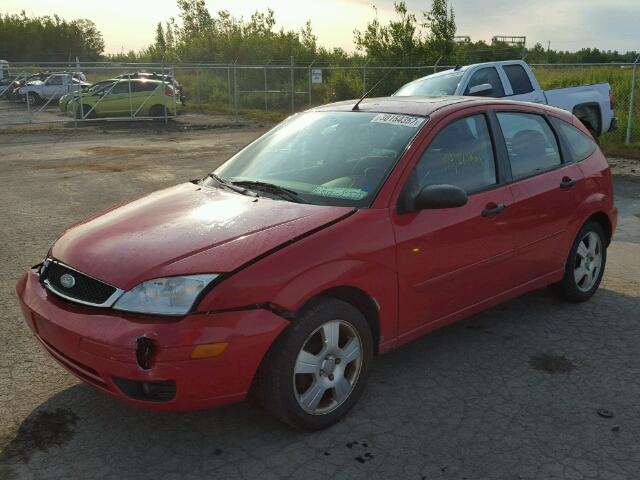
x=426, y=106
x=423, y=106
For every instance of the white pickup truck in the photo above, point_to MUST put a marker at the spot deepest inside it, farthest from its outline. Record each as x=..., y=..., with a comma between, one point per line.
x=514, y=80
x=53, y=87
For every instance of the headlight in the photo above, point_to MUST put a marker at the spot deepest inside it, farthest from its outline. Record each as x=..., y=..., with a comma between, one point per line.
x=164, y=296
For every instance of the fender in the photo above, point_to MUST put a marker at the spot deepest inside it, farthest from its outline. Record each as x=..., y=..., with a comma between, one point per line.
x=358, y=252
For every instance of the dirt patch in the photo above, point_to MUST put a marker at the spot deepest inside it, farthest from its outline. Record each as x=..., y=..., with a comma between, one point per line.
x=101, y=167
x=624, y=166
x=38, y=433
x=551, y=363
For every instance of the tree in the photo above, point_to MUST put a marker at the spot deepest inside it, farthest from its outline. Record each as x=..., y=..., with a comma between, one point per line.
x=195, y=17
x=161, y=44
x=441, y=23
x=48, y=38
x=395, y=43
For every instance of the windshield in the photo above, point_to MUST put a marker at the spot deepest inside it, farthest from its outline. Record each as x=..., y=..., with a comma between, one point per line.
x=327, y=158
x=432, y=86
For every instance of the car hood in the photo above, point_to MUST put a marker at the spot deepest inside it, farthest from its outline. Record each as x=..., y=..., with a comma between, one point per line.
x=35, y=82
x=185, y=229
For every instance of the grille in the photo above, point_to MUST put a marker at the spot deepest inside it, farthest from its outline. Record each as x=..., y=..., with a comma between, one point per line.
x=86, y=289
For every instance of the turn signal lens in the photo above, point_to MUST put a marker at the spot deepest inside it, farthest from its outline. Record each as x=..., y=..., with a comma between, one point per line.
x=209, y=350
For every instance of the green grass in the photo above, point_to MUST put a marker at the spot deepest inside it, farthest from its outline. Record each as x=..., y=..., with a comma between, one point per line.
x=620, y=80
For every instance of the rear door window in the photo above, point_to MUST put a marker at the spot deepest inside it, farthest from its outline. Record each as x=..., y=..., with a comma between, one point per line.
x=121, y=87
x=518, y=79
x=531, y=144
x=580, y=144
x=461, y=155
x=486, y=75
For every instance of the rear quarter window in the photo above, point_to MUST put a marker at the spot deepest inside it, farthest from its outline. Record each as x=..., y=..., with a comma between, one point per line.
x=580, y=144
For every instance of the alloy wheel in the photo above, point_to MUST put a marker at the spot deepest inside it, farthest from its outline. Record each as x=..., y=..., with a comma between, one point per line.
x=327, y=367
x=588, y=262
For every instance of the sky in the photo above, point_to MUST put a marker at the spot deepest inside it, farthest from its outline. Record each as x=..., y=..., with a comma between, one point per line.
x=567, y=24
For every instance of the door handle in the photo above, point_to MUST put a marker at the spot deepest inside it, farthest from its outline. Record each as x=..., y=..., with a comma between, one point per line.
x=493, y=209
x=567, y=183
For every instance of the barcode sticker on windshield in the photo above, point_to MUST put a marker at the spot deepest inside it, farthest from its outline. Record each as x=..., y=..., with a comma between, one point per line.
x=394, y=119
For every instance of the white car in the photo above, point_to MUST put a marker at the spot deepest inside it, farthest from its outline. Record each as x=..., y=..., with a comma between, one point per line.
x=514, y=80
x=54, y=87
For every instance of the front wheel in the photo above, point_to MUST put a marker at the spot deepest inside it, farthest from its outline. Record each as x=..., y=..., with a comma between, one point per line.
x=34, y=99
x=316, y=371
x=585, y=266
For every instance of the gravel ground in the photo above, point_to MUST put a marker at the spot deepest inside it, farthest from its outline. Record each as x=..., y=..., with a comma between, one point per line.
x=534, y=388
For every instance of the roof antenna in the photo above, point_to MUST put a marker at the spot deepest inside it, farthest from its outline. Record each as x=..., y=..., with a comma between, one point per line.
x=355, y=107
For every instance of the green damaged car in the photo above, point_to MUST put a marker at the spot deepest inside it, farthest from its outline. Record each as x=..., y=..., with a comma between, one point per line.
x=127, y=97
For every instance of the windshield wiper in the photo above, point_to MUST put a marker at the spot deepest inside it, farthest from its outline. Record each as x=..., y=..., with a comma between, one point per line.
x=282, y=192
x=224, y=183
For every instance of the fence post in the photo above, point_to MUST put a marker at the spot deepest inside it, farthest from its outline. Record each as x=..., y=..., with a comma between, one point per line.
x=266, y=108
x=29, y=107
x=364, y=80
x=229, y=86
x=130, y=99
x=198, y=85
x=172, y=72
x=435, y=67
x=293, y=86
x=309, y=88
x=164, y=97
x=235, y=91
x=631, y=99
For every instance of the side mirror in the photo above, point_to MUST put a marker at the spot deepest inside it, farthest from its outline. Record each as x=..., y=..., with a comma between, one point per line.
x=481, y=90
x=434, y=197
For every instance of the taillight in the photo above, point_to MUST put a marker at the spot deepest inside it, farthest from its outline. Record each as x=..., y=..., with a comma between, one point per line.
x=612, y=100
x=168, y=91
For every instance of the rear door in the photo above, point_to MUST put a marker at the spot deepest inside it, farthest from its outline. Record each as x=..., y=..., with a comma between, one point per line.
x=520, y=86
x=546, y=193
x=451, y=259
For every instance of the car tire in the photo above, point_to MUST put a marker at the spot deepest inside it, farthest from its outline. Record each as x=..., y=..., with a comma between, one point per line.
x=585, y=265
x=157, y=111
x=335, y=340
x=83, y=112
x=33, y=99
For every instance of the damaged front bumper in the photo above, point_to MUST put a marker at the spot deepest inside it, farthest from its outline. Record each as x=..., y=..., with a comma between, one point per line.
x=149, y=361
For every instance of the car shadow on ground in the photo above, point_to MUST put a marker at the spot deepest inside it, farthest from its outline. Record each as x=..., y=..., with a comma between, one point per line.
x=533, y=388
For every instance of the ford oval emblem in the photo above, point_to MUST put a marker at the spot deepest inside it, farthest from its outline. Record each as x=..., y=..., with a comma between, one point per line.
x=67, y=281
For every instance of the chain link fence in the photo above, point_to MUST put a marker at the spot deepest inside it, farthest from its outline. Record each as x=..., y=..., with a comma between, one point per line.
x=274, y=90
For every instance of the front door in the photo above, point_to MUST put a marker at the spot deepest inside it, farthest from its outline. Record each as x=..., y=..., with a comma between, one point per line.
x=116, y=102
x=452, y=259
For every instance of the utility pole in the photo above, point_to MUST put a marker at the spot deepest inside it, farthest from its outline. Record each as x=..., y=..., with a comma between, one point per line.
x=548, y=49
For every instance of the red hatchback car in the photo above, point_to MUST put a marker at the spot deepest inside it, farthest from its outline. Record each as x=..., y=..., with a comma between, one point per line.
x=343, y=232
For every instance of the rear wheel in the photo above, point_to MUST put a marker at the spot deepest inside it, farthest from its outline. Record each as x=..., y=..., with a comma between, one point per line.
x=157, y=111
x=316, y=371
x=585, y=265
